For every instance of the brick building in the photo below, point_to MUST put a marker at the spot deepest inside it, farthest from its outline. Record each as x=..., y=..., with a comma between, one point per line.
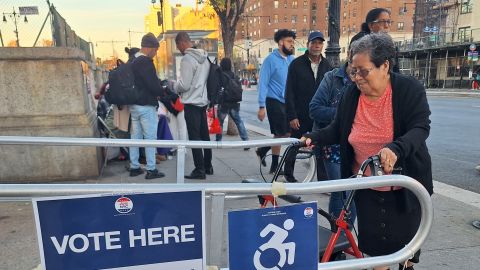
x=263, y=17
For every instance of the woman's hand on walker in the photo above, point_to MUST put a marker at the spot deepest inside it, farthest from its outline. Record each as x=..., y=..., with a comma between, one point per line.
x=306, y=141
x=387, y=159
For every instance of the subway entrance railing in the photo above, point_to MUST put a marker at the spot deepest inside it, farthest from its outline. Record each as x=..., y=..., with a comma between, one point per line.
x=218, y=193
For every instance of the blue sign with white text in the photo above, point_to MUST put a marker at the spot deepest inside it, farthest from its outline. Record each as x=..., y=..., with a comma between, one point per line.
x=278, y=238
x=132, y=231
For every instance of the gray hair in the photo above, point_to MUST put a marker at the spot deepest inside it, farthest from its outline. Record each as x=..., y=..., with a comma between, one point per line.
x=378, y=46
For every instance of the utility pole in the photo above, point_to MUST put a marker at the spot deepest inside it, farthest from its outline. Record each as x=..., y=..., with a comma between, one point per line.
x=130, y=36
x=333, y=49
x=14, y=15
x=112, y=42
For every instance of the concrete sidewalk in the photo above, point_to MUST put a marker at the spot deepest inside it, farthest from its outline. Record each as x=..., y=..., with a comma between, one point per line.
x=453, y=242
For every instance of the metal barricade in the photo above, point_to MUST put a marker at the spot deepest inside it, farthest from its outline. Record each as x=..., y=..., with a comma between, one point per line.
x=219, y=192
x=181, y=146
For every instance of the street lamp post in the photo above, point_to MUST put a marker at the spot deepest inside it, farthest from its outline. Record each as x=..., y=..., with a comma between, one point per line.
x=14, y=15
x=333, y=48
x=248, y=35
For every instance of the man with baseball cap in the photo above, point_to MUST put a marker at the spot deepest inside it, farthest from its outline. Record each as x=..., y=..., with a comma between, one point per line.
x=144, y=112
x=304, y=76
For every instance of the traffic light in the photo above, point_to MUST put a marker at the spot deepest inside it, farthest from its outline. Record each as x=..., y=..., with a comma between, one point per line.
x=159, y=18
x=248, y=44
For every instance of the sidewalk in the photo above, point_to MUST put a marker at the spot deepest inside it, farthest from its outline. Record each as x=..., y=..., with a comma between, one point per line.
x=452, y=244
x=453, y=92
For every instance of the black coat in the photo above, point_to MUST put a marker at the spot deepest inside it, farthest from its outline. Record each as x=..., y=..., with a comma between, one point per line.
x=146, y=81
x=411, y=126
x=301, y=86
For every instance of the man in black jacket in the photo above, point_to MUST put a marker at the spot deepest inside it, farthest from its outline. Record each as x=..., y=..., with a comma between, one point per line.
x=304, y=76
x=144, y=112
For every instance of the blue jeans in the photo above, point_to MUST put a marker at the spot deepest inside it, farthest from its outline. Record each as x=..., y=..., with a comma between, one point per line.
x=337, y=199
x=144, y=126
x=234, y=113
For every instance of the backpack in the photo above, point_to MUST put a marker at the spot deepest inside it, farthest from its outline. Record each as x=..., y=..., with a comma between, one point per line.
x=214, y=82
x=122, y=90
x=232, y=90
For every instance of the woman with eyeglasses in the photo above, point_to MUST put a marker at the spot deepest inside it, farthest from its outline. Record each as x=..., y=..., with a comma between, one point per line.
x=386, y=114
x=378, y=20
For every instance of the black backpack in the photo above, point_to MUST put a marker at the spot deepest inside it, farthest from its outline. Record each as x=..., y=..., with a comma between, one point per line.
x=232, y=90
x=214, y=82
x=122, y=90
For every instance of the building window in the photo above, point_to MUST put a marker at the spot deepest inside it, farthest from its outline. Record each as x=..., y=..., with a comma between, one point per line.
x=270, y=49
x=466, y=6
x=294, y=18
x=344, y=15
x=314, y=6
x=285, y=4
x=305, y=4
x=305, y=18
x=285, y=18
x=294, y=4
x=275, y=18
x=463, y=34
x=400, y=26
x=314, y=20
x=344, y=29
x=401, y=11
x=304, y=32
x=354, y=29
x=275, y=4
x=354, y=13
x=275, y=30
x=294, y=30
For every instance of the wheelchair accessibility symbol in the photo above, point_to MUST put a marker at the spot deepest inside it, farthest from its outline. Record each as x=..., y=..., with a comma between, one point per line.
x=286, y=251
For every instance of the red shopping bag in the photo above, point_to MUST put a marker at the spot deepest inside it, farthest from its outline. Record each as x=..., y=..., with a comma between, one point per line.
x=213, y=122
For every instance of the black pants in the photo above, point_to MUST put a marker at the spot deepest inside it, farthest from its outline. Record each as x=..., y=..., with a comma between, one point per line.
x=305, y=126
x=197, y=128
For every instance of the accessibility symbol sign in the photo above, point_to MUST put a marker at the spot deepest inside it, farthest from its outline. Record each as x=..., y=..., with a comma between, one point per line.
x=277, y=238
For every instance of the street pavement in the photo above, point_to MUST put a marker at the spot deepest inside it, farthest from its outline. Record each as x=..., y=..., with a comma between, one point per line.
x=452, y=244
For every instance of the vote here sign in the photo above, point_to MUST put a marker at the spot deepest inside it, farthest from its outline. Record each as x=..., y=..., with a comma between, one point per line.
x=132, y=231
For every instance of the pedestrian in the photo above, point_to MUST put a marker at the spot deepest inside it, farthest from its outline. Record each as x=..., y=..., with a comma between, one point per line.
x=385, y=114
x=144, y=118
x=378, y=20
x=231, y=108
x=192, y=88
x=271, y=92
x=304, y=76
x=323, y=108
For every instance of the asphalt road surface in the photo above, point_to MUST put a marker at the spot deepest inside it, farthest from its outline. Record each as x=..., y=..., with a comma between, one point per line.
x=454, y=141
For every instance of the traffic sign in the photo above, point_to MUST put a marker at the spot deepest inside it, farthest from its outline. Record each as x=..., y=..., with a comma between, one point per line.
x=248, y=44
x=473, y=47
x=134, y=231
x=274, y=238
x=33, y=10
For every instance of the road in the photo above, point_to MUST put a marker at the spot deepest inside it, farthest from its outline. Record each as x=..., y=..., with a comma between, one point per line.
x=454, y=141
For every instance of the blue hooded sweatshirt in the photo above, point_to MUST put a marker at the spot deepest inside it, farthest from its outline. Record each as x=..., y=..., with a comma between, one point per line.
x=273, y=77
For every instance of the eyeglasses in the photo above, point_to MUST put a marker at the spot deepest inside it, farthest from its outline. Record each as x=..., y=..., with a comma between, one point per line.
x=385, y=22
x=360, y=72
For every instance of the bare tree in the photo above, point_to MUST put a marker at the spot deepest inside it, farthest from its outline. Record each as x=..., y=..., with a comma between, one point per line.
x=229, y=13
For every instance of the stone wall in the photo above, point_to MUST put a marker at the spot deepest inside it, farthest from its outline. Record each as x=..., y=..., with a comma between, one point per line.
x=47, y=92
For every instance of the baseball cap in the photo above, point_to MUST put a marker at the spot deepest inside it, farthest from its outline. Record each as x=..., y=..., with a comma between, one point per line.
x=314, y=35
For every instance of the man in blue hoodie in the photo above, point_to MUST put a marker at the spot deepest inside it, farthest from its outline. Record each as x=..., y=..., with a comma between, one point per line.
x=271, y=92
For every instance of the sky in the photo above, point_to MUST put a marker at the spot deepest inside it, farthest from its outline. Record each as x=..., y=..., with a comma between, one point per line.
x=104, y=21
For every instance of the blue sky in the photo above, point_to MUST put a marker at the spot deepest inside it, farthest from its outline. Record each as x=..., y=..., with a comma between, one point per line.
x=107, y=20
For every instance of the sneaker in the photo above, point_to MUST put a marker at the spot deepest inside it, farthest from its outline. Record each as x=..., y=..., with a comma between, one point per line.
x=136, y=172
x=153, y=174
x=261, y=158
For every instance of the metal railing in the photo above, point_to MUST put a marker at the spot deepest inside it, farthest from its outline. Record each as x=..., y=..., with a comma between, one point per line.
x=219, y=192
x=179, y=145
x=439, y=40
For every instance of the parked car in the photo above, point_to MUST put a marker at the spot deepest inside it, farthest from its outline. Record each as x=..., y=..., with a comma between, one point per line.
x=252, y=81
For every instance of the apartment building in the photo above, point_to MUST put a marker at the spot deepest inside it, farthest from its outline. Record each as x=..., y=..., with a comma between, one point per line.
x=263, y=17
